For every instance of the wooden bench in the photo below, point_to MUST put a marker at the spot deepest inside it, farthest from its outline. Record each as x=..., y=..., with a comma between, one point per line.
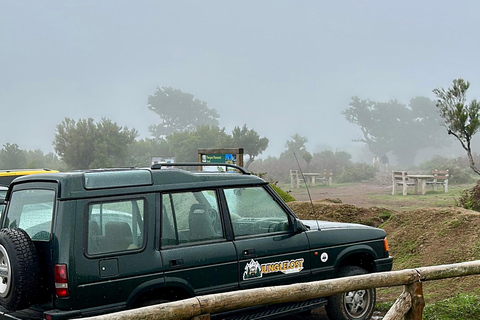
x=327, y=177
x=295, y=179
x=312, y=178
x=440, y=177
x=400, y=178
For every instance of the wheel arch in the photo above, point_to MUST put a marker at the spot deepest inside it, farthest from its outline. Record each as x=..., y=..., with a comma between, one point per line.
x=361, y=256
x=157, y=289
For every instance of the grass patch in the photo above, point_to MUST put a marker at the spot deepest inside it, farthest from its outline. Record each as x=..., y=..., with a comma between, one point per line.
x=459, y=307
x=399, y=202
x=383, y=307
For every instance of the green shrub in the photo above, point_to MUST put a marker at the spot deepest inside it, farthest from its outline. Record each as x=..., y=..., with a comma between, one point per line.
x=459, y=168
x=356, y=172
x=284, y=195
x=470, y=198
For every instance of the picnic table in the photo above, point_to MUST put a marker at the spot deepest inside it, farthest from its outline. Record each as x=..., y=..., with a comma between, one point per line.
x=420, y=180
x=296, y=177
x=405, y=180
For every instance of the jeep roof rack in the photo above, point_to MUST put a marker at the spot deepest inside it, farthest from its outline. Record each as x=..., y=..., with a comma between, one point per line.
x=157, y=166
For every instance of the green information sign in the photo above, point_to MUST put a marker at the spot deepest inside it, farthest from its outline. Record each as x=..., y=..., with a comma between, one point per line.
x=218, y=158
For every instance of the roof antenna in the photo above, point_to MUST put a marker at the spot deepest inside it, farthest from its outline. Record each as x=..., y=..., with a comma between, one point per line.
x=308, y=191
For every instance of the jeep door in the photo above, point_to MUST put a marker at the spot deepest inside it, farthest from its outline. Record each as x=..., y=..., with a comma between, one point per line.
x=196, y=254
x=118, y=255
x=270, y=249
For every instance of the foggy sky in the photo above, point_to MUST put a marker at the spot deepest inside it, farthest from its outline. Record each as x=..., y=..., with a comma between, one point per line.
x=281, y=67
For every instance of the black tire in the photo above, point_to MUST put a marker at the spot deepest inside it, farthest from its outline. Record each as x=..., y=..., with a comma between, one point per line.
x=353, y=305
x=19, y=271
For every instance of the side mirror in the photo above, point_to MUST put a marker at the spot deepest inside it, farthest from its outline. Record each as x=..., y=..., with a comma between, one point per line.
x=299, y=227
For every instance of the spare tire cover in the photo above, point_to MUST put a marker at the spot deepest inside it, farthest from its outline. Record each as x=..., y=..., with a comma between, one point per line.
x=19, y=271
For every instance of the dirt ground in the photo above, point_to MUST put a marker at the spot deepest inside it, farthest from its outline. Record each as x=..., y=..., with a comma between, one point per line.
x=349, y=202
x=422, y=237
x=351, y=194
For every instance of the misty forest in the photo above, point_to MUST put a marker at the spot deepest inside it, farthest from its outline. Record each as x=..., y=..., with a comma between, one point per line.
x=389, y=130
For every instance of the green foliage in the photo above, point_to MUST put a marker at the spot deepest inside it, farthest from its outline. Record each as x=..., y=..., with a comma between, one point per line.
x=179, y=111
x=284, y=195
x=85, y=144
x=307, y=156
x=141, y=151
x=356, y=172
x=470, y=198
x=294, y=147
x=184, y=145
x=459, y=171
x=12, y=157
x=329, y=160
x=459, y=307
x=392, y=126
x=462, y=120
x=250, y=141
x=342, y=168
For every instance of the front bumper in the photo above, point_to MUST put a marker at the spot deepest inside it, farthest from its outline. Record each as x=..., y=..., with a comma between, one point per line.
x=384, y=264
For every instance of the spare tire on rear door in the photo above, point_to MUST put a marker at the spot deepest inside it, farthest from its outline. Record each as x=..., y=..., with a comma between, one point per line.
x=18, y=270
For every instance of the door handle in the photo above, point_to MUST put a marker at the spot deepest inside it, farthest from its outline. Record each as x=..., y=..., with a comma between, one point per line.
x=249, y=253
x=176, y=263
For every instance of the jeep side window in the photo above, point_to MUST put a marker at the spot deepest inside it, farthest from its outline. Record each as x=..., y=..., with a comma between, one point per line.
x=115, y=226
x=32, y=211
x=253, y=211
x=190, y=217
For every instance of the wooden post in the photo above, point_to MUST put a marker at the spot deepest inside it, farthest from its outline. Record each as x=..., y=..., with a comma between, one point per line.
x=418, y=302
x=401, y=306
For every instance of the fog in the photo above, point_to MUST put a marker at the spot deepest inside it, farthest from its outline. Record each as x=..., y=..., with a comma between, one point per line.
x=281, y=67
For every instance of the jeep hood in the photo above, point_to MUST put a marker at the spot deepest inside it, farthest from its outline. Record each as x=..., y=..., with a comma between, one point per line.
x=322, y=225
x=327, y=233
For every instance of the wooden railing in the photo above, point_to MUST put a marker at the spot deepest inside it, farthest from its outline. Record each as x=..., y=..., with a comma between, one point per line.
x=408, y=306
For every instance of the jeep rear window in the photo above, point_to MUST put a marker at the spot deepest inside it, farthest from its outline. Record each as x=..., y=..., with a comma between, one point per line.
x=189, y=217
x=115, y=226
x=254, y=211
x=32, y=211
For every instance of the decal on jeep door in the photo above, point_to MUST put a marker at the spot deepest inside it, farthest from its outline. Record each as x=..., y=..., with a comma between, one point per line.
x=253, y=269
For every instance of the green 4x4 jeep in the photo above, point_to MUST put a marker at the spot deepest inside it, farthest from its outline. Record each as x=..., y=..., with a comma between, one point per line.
x=91, y=242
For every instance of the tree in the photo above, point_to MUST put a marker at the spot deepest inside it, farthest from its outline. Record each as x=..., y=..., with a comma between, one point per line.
x=184, y=145
x=296, y=144
x=461, y=119
x=12, y=157
x=111, y=145
x=85, y=144
x=140, y=152
x=392, y=126
x=179, y=112
x=251, y=142
x=295, y=149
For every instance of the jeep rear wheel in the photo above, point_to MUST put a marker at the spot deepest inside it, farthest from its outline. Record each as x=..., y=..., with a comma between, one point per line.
x=352, y=305
x=18, y=270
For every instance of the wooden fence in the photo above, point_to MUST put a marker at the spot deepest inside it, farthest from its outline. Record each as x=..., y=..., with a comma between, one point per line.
x=408, y=306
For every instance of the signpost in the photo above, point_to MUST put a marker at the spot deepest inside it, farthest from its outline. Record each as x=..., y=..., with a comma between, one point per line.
x=226, y=155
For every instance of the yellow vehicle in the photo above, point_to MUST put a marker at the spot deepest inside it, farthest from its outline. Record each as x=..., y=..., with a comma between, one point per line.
x=7, y=176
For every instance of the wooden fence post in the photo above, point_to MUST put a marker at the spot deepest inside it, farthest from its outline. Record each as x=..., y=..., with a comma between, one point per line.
x=401, y=306
x=418, y=302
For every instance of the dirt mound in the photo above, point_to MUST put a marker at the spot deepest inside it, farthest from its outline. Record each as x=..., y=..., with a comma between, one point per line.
x=434, y=236
x=334, y=210
x=423, y=237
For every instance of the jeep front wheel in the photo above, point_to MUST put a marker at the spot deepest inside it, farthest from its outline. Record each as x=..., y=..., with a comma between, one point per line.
x=352, y=305
x=18, y=270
